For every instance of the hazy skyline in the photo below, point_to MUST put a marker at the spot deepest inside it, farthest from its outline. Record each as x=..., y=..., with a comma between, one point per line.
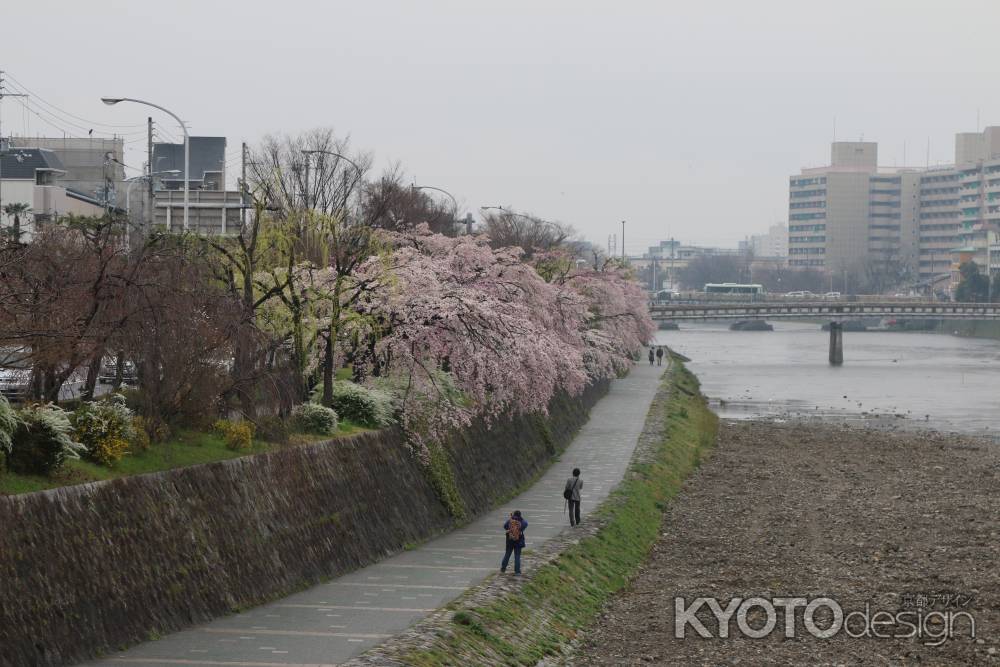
x=683, y=120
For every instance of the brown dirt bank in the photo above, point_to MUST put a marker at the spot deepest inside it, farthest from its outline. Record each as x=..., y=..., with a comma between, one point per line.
x=809, y=510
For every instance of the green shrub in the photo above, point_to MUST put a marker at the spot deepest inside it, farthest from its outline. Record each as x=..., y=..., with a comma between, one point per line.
x=105, y=428
x=42, y=441
x=8, y=424
x=313, y=418
x=108, y=451
x=273, y=429
x=238, y=435
x=363, y=405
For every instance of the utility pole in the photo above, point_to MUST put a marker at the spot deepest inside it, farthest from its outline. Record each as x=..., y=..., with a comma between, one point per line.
x=623, y=240
x=305, y=190
x=3, y=94
x=107, y=184
x=151, y=215
x=243, y=188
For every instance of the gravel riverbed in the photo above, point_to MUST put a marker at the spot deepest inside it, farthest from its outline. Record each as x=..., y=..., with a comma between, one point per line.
x=900, y=521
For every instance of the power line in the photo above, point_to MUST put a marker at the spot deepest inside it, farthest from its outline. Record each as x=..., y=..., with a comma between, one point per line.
x=160, y=129
x=40, y=110
x=50, y=123
x=24, y=89
x=54, y=123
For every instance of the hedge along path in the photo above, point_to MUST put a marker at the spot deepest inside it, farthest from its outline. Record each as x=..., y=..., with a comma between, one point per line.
x=521, y=621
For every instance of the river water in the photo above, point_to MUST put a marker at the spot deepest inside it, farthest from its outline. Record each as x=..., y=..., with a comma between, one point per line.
x=889, y=379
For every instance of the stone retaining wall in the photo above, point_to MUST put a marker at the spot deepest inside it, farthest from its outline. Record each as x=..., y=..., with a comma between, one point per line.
x=91, y=568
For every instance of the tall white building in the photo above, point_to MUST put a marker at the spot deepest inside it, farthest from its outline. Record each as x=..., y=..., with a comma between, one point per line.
x=852, y=214
x=772, y=244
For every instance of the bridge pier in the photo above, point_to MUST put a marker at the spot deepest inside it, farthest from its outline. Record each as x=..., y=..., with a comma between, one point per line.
x=836, y=344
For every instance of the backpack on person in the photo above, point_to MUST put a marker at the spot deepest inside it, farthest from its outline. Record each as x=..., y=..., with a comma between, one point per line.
x=514, y=529
x=568, y=491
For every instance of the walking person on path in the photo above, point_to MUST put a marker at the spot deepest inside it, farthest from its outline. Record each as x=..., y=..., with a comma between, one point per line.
x=514, y=527
x=659, y=356
x=650, y=356
x=572, y=491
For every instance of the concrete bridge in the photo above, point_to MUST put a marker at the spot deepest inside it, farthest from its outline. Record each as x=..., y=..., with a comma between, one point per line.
x=825, y=310
x=834, y=311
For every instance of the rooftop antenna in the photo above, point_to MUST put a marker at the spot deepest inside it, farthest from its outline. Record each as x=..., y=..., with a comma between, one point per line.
x=835, y=128
x=928, y=152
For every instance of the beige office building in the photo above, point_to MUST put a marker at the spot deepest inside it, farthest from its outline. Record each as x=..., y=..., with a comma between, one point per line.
x=849, y=214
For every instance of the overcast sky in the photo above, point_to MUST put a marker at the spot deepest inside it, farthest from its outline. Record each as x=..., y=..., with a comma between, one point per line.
x=683, y=118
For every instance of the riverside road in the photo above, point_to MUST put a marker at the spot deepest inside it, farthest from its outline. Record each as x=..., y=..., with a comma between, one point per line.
x=334, y=621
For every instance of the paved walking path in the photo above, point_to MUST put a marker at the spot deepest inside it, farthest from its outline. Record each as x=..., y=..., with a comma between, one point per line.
x=342, y=618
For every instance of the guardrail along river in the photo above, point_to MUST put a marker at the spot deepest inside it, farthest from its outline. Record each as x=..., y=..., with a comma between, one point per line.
x=922, y=380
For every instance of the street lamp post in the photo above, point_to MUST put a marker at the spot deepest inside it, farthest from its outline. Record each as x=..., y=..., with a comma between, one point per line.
x=454, y=214
x=519, y=215
x=307, y=153
x=187, y=143
x=554, y=225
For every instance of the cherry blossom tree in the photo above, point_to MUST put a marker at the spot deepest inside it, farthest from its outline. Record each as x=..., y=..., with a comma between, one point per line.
x=618, y=321
x=462, y=330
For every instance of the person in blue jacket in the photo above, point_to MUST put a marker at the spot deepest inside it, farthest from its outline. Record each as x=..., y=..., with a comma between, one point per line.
x=514, y=527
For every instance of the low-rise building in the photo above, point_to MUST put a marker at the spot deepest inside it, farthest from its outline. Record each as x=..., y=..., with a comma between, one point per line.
x=661, y=265
x=92, y=167
x=209, y=211
x=211, y=208
x=30, y=176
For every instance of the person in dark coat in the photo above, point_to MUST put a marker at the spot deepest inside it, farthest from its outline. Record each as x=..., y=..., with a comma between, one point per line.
x=514, y=545
x=572, y=489
x=659, y=356
x=650, y=356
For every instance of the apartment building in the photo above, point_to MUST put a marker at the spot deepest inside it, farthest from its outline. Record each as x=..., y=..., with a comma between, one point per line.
x=850, y=213
x=939, y=220
x=30, y=176
x=960, y=207
x=91, y=166
x=773, y=244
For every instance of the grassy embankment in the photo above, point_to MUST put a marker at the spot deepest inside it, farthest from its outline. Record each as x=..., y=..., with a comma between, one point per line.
x=185, y=448
x=565, y=595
